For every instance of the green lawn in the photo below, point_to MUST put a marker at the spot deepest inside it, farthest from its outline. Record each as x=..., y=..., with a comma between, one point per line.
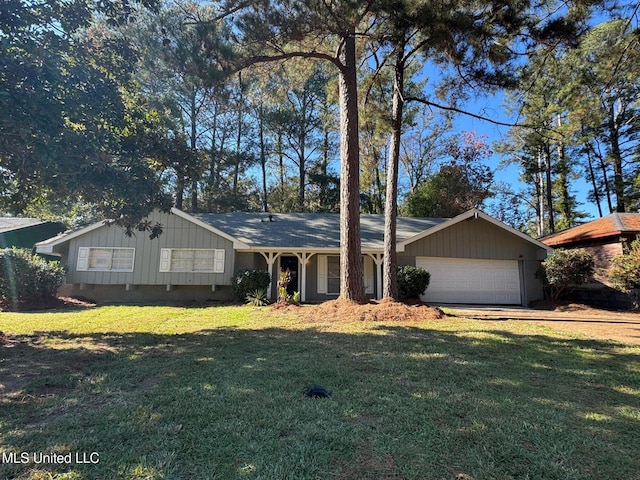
x=216, y=393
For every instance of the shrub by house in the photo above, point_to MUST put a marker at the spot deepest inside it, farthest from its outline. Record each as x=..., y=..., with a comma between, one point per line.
x=27, y=280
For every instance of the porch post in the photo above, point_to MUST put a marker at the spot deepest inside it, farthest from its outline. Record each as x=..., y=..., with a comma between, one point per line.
x=304, y=258
x=377, y=258
x=271, y=258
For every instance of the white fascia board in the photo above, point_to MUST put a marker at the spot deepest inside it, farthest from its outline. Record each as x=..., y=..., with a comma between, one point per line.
x=290, y=249
x=473, y=213
x=45, y=249
x=46, y=246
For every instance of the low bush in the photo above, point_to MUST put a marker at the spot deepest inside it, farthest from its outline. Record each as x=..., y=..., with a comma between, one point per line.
x=625, y=268
x=625, y=271
x=412, y=281
x=563, y=270
x=27, y=280
x=257, y=298
x=248, y=281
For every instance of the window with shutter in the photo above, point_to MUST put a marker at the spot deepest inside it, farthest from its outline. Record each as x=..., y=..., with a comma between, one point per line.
x=105, y=259
x=329, y=274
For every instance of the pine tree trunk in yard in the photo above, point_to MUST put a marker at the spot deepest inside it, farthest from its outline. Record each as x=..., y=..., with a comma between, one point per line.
x=548, y=188
x=616, y=160
x=351, y=265
x=263, y=159
x=390, y=263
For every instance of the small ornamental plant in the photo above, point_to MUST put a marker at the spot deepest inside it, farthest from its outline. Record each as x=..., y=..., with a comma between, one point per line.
x=257, y=298
x=284, y=297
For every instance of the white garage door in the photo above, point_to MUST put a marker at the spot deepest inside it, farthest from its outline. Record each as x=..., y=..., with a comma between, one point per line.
x=464, y=280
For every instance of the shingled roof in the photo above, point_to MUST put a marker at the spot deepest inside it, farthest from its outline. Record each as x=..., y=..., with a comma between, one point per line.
x=8, y=224
x=308, y=230
x=613, y=225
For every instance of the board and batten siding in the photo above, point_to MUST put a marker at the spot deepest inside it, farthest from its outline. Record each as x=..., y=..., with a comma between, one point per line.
x=480, y=239
x=473, y=238
x=177, y=233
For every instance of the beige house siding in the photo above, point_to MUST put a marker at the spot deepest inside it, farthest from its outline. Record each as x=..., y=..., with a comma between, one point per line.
x=177, y=233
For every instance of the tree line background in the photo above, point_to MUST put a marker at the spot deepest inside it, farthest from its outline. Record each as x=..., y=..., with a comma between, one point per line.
x=113, y=107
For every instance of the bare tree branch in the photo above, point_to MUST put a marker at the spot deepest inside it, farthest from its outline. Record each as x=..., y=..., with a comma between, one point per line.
x=475, y=115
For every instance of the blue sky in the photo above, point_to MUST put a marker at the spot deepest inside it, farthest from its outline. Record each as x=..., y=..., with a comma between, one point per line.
x=492, y=107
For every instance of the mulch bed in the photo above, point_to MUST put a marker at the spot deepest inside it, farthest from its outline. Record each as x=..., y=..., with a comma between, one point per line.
x=56, y=303
x=375, y=311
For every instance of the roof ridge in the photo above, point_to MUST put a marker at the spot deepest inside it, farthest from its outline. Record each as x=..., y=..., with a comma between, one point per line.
x=617, y=221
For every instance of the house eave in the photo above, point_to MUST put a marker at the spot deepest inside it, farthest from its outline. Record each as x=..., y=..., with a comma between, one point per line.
x=598, y=236
x=472, y=214
x=292, y=249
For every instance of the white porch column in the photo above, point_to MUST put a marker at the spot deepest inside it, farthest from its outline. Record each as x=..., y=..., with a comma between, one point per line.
x=377, y=259
x=304, y=258
x=271, y=258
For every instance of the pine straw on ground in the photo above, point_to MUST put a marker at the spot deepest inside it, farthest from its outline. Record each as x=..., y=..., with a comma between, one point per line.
x=375, y=311
x=48, y=304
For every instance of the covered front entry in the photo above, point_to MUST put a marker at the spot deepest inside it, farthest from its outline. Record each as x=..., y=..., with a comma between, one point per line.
x=290, y=263
x=470, y=280
x=296, y=262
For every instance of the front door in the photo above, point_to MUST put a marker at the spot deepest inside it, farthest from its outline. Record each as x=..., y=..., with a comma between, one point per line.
x=290, y=262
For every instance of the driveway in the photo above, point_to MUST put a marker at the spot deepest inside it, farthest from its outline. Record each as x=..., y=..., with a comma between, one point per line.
x=592, y=323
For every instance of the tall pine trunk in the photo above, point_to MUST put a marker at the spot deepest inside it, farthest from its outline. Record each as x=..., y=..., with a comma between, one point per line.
x=193, y=137
x=263, y=159
x=563, y=169
x=549, y=187
x=390, y=262
x=351, y=265
x=616, y=159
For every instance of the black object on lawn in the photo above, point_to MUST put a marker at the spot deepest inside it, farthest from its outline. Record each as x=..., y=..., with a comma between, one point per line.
x=317, y=391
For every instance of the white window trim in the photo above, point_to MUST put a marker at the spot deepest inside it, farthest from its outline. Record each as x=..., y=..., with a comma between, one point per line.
x=323, y=274
x=166, y=255
x=84, y=255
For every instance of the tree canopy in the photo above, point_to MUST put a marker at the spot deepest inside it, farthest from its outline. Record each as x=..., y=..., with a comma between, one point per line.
x=119, y=106
x=74, y=126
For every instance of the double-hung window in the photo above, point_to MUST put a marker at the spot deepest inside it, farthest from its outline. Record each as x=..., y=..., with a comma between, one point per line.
x=192, y=260
x=329, y=274
x=105, y=259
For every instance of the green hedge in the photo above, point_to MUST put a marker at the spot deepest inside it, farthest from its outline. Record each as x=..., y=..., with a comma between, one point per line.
x=625, y=269
x=245, y=282
x=412, y=281
x=27, y=280
x=563, y=270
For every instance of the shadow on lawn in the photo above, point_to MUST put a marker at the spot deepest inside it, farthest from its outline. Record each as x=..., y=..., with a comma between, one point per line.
x=407, y=402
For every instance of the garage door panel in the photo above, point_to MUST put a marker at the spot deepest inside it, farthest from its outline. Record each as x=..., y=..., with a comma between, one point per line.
x=455, y=280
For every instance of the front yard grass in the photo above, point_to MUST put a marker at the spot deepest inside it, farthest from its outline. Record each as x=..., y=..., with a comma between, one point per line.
x=217, y=393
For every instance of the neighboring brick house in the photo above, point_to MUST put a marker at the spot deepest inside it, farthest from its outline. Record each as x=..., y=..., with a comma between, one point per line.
x=604, y=237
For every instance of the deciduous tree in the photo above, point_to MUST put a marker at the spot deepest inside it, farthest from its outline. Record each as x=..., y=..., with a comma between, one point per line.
x=70, y=125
